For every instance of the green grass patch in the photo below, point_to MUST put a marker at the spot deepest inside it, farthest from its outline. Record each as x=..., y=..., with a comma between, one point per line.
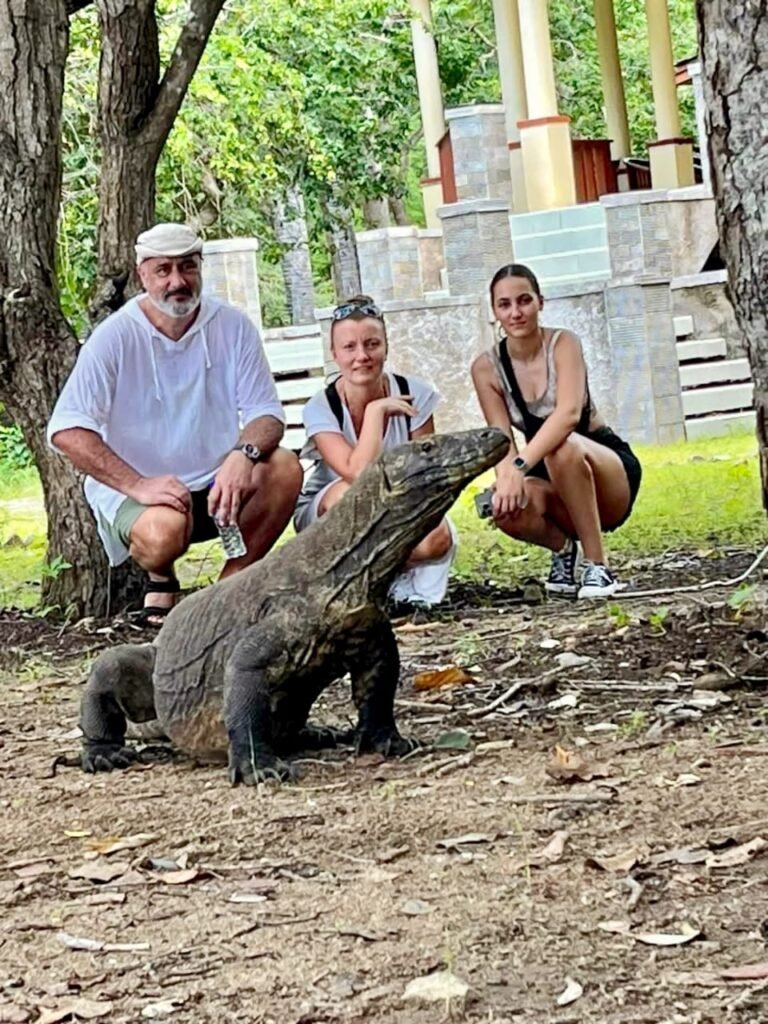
x=694, y=496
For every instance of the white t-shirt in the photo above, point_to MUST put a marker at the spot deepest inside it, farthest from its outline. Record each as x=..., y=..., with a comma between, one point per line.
x=319, y=418
x=166, y=406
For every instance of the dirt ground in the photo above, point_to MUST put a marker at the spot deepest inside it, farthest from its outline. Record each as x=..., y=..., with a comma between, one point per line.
x=586, y=822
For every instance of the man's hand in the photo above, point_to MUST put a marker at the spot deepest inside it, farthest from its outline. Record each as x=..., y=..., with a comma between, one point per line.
x=162, y=490
x=232, y=487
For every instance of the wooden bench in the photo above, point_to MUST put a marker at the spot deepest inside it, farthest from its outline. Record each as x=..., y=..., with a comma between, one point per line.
x=295, y=356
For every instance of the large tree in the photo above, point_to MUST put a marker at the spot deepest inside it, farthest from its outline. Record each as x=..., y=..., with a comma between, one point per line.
x=733, y=42
x=138, y=102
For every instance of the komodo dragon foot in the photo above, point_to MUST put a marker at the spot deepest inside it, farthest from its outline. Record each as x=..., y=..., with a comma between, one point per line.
x=105, y=757
x=245, y=768
x=389, y=743
x=322, y=737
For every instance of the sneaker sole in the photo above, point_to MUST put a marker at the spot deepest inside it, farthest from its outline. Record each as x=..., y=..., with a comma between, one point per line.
x=598, y=592
x=567, y=589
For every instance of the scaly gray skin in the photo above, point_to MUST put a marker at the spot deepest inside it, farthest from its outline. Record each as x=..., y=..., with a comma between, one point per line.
x=236, y=667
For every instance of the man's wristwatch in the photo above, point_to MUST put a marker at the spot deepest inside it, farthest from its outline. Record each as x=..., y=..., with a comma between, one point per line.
x=519, y=463
x=252, y=452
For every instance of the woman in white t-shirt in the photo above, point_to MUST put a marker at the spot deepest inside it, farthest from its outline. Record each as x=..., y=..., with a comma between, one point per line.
x=366, y=410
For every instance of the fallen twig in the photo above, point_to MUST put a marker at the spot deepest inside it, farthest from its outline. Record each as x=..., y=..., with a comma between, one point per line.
x=695, y=588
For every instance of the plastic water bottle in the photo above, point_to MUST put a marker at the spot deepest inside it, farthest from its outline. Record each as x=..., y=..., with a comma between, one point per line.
x=230, y=536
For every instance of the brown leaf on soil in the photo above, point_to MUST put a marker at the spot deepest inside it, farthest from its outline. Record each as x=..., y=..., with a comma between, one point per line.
x=450, y=675
x=182, y=877
x=737, y=855
x=455, y=842
x=99, y=871
x=747, y=972
x=618, y=863
x=686, y=934
x=570, y=766
x=77, y=1009
x=111, y=844
x=387, y=856
x=35, y=870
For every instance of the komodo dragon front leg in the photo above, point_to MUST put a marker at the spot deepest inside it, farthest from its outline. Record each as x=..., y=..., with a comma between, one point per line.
x=374, y=666
x=119, y=686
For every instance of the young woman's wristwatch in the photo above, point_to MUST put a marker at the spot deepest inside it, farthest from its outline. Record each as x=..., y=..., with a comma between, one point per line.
x=252, y=452
x=519, y=463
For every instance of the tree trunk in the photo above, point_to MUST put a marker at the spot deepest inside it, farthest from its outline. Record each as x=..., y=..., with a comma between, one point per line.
x=291, y=233
x=398, y=212
x=376, y=213
x=37, y=345
x=733, y=42
x=345, y=268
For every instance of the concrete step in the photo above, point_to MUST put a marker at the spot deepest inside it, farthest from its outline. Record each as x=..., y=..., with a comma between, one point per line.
x=701, y=348
x=544, y=221
x=683, y=326
x=717, y=371
x=555, y=243
x=717, y=426
x=722, y=398
x=588, y=263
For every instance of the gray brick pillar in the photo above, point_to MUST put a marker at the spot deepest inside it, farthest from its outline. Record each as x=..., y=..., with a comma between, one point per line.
x=639, y=314
x=480, y=152
x=231, y=273
x=476, y=242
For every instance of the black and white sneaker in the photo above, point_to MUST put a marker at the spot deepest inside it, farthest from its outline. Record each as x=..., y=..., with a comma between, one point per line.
x=597, y=581
x=562, y=572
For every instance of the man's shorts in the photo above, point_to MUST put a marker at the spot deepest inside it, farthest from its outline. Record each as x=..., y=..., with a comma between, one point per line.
x=203, y=526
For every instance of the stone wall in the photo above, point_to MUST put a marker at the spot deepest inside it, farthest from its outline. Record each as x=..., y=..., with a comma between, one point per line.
x=476, y=242
x=705, y=298
x=480, y=153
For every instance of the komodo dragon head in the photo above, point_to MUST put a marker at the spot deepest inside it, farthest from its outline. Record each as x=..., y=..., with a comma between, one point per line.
x=404, y=494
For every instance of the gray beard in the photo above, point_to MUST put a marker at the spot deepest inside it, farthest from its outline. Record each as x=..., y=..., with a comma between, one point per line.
x=174, y=308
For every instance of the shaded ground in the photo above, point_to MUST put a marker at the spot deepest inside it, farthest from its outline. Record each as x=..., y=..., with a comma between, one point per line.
x=321, y=901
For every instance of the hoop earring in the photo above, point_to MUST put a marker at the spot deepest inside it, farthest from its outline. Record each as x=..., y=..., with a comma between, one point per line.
x=500, y=332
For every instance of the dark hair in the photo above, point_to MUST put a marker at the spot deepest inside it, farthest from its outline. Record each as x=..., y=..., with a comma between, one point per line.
x=515, y=270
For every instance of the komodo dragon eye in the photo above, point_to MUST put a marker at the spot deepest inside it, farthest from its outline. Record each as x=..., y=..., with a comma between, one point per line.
x=427, y=446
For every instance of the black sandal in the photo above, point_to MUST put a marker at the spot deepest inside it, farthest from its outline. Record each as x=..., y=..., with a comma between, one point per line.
x=152, y=614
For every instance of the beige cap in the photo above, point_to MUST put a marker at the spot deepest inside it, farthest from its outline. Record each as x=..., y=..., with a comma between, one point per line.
x=167, y=240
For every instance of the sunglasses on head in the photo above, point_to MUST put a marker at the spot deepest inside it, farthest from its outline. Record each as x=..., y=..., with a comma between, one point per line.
x=365, y=308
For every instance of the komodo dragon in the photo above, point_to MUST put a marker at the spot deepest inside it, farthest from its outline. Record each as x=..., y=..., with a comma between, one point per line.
x=238, y=665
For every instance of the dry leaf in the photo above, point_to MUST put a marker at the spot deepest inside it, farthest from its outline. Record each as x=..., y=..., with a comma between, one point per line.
x=414, y=907
x=178, y=877
x=247, y=897
x=618, y=863
x=450, y=675
x=440, y=987
x=573, y=991
x=99, y=871
x=615, y=927
x=747, y=972
x=387, y=856
x=555, y=848
x=737, y=855
x=111, y=844
x=80, y=1009
x=164, y=1008
x=11, y=1014
x=77, y=833
x=35, y=870
x=569, y=766
x=97, y=898
x=686, y=934
x=680, y=855
x=468, y=838
x=77, y=942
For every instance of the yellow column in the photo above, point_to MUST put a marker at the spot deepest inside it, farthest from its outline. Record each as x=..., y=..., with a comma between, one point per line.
x=431, y=104
x=671, y=156
x=613, y=83
x=510, y=52
x=545, y=135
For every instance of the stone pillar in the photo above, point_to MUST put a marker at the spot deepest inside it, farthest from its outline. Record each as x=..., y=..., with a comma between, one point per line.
x=430, y=103
x=545, y=137
x=640, y=316
x=230, y=272
x=510, y=58
x=476, y=242
x=480, y=153
x=694, y=70
x=390, y=263
x=613, y=82
x=671, y=156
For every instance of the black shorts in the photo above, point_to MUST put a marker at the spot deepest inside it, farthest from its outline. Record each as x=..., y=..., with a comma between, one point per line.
x=606, y=437
x=203, y=526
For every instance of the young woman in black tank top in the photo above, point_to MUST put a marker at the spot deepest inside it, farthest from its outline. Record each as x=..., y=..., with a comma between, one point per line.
x=573, y=478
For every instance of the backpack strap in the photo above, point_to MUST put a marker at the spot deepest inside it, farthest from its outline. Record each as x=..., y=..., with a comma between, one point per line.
x=531, y=423
x=403, y=385
x=334, y=400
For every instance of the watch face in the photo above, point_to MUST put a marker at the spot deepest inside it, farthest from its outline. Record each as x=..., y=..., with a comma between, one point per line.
x=251, y=451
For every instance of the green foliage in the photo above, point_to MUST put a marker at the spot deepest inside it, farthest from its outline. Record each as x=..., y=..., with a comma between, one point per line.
x=14, y=454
